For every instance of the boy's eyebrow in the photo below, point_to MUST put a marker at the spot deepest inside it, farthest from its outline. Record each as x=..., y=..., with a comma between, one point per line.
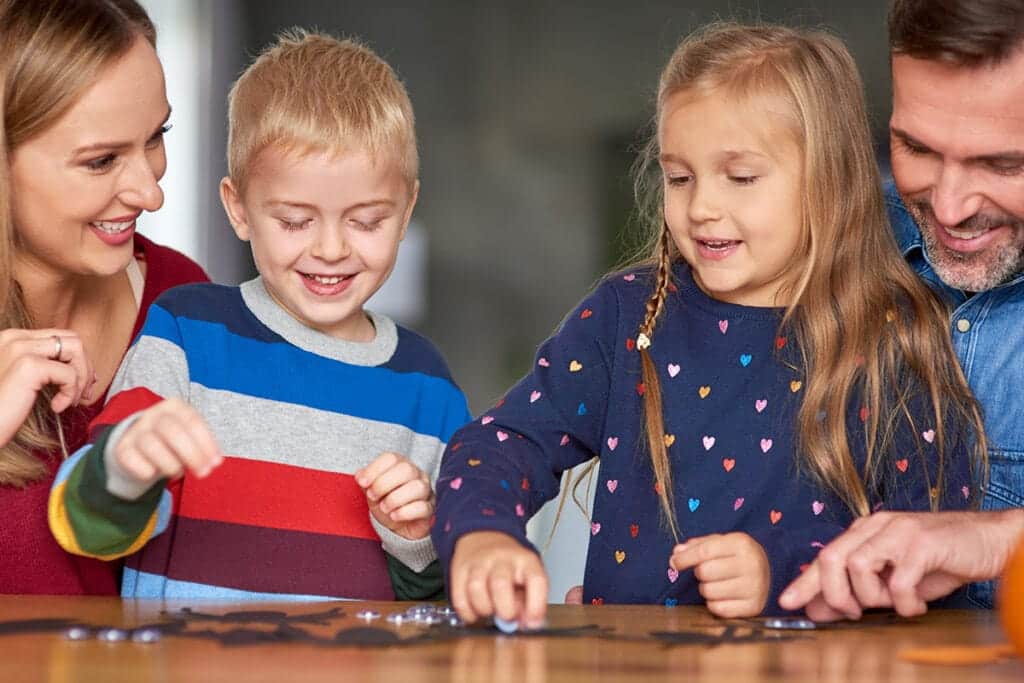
x=117, y=145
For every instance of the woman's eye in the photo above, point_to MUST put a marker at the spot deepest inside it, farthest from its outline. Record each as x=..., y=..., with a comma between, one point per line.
x=159, y=135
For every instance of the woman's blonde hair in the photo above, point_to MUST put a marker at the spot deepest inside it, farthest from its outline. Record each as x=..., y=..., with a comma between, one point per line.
x=867, y=329
x=310, y=93
x=51, y=52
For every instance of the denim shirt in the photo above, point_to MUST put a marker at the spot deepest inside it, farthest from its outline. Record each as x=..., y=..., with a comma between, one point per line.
x=988, y=336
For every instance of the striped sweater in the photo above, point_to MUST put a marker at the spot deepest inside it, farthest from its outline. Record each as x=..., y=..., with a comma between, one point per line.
x=296, y=412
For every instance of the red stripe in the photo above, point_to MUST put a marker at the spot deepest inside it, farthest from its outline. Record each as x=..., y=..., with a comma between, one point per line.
x=276, y=496
x=124, y=404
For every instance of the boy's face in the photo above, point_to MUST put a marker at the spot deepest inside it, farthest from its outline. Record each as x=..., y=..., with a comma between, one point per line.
x=324, y=232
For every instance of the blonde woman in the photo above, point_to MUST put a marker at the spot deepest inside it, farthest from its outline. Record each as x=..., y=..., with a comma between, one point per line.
x=773, y=371
x=84, y=113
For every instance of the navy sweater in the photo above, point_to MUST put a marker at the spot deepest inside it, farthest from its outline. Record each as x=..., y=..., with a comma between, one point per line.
x=730, y=395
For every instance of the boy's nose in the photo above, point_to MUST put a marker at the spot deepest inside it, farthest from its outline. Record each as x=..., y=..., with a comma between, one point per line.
x=331, y=244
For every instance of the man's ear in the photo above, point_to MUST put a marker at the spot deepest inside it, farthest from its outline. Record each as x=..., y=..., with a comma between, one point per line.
x=234, y=208
x=412, y=205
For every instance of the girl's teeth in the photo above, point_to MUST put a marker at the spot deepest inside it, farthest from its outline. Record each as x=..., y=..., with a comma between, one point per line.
x=112, y=227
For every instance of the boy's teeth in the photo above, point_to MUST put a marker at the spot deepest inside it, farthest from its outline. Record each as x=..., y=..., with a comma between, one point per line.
x=112, y=226
x=333, y=280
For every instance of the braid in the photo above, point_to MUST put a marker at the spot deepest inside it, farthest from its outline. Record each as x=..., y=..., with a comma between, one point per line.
x=654, y=420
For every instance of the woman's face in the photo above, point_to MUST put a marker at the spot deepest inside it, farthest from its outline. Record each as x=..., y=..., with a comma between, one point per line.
x=78, y=187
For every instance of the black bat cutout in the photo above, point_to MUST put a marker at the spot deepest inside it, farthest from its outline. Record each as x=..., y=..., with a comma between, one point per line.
x=258, y=617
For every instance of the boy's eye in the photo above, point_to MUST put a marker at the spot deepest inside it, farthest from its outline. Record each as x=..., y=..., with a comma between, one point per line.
x=367, y=225
x=101, y=163
x=296, y=224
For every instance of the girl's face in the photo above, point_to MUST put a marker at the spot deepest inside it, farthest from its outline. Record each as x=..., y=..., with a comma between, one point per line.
x=732, y=174
x=78, y=187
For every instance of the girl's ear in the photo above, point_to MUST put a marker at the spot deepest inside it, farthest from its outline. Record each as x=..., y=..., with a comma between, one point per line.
x=234, y=208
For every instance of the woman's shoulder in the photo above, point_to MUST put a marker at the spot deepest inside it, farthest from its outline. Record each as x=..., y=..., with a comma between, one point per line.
x=165, y=268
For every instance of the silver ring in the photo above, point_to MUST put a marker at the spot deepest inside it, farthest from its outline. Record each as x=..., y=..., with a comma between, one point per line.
x=58, y=348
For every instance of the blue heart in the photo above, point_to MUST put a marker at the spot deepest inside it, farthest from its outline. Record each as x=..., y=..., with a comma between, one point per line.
x=504, y=484
x=582, y=410
x=671, y=602
x=745, y=359
x=694, y=504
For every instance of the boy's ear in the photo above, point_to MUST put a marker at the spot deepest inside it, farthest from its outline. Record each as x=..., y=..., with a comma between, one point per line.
x=412, y=205
x=234, y=208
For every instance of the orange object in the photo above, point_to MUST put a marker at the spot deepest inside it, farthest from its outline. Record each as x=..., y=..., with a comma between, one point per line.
x=1011, y=599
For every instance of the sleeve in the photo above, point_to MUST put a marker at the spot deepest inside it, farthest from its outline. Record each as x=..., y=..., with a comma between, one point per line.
x=95, y=510
x=501, y=468
x=426, y=585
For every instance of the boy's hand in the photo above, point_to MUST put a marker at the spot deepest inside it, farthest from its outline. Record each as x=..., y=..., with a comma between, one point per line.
x=732, y=569
x=167, y=439
x=399, y=495
x=492, y=574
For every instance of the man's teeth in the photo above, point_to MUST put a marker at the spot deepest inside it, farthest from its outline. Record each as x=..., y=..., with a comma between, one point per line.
x=112, y=227
x=966, y=234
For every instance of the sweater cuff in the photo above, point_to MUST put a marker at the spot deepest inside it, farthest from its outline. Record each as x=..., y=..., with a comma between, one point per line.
x=119, y=483
x=414, y=554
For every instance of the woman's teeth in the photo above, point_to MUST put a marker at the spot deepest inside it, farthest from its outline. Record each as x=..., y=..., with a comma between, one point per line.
x=112, y=227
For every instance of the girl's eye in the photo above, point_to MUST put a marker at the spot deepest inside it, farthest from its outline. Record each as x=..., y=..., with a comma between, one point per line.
x=292, y=225
x=101, y=163
x=677, y=180
x=743, y=179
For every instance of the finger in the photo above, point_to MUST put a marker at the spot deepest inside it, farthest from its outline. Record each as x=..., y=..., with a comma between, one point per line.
x=867, y=580
x=728, y=589
x=73, y=355
x=409, y=492
x=457, y=590
x=818, y=610
x=835, y=584
x=535, y=580
x=903, y=588
x=806, y=588
x=392, y=478
x=695, y=551
x=149, y=447
x=384, y=461
x=718, y=569
x=478, y=592
x=502, y=591
x=179, y=436
x=69, y=389
x=414, y=511
x=732, y=609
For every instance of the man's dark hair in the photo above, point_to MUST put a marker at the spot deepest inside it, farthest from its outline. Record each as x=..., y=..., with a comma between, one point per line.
x=963, y=32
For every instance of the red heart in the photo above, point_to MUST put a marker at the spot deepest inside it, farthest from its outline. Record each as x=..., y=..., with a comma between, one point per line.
x=728, y=464
x=500, y=403
x=586, y=313
x=902, y=465
x=597, y=601
x=630, y=344
x=657, y=487
x=775, y=516
x=672, y=287
x=640, y=388
x=525, y=484
x=864, y=412
x=456, y=447
x=780, y=342
x=634, y=530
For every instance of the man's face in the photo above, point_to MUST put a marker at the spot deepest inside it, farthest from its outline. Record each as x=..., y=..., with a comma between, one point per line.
x=957, y=144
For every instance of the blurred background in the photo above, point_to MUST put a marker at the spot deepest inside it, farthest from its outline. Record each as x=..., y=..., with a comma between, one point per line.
x=528, y=116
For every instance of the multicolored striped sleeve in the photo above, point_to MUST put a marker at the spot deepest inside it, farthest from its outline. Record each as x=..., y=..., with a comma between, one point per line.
x=86, y=515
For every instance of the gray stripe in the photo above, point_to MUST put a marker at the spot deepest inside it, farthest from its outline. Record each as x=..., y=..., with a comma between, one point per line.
x=291, y=434
x=157, y=365
x=271, y=314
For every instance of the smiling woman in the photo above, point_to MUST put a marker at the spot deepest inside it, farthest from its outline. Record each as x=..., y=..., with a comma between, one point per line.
x=84, y=112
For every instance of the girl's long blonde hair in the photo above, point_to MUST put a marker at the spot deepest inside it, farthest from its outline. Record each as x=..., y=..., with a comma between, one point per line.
x=867, y=328
x=51, y=51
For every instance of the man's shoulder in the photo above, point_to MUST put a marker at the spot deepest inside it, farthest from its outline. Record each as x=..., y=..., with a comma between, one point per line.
x=904, y=227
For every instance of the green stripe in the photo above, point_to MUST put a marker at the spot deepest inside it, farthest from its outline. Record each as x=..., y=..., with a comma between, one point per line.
x=104, y=524
x=427, y=585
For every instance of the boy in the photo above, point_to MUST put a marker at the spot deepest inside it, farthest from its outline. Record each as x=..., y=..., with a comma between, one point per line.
x=265, y=404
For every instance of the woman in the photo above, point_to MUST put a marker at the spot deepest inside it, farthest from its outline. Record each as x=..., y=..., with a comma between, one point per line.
x=84, y=111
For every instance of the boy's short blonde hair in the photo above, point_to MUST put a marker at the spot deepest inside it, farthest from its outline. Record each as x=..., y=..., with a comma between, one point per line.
x=313, y=93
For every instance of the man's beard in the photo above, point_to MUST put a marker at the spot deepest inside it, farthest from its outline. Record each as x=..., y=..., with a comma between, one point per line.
x=976, y=271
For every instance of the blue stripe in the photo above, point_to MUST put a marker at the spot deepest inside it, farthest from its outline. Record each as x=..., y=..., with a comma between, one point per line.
x=281, y=372
x=136, y=584
x=64, y=471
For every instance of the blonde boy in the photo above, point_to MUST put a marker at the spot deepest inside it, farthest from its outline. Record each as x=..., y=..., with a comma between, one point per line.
x=296, y=429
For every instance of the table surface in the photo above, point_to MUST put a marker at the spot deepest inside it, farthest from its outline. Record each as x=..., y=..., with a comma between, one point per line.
x=863, y=652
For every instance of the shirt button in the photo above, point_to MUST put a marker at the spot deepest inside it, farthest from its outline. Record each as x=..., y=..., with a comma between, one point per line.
x=963, y=324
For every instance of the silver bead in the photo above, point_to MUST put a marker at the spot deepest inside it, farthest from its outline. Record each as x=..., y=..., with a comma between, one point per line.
x=146, y=635
x=78, y=633
x=367, y=615
x=112, y=635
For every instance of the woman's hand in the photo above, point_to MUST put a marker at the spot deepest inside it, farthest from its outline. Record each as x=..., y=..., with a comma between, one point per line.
x=31, y=360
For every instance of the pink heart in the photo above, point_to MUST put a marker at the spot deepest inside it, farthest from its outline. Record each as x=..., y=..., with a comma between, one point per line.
x=723, y=325
x=629, y=278
x=709, y=441
x=565, y=440
x=817, y=506
x=738, y=504
x=613, y=442
x=534, y=396
x=456, y=483
x=612, y=485
x=502, y=436
x=760, y=404
x=966, y=491
x=672, y=575
x=447, y=527
x=929, y=435
x=486, y=420
x=519, y=510
x=595, y=528
x=673, y=369
x=543, y=362
x=766, y=445
x=817, y=544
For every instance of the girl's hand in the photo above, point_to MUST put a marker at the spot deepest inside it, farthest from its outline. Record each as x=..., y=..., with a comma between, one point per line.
x=732, y=569
x=167, y=439
x=399, y=495
x=31, y=360
x=492, y=574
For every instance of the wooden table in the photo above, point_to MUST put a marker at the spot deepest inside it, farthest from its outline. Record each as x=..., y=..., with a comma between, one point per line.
x=866, y=652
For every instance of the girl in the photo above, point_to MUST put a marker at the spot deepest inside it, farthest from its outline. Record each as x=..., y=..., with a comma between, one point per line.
x=84, y=111
x=771, y=372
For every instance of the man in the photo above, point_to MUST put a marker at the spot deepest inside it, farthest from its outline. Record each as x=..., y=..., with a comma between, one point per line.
x=957, y=208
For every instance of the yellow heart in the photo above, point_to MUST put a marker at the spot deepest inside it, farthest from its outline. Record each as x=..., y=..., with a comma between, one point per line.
x=795, y=385
x=473, y=462
x=934, y=493
x=575, y=366
x=669, y=440
x=704, y=391
x=620, y=556
x=890, y=316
